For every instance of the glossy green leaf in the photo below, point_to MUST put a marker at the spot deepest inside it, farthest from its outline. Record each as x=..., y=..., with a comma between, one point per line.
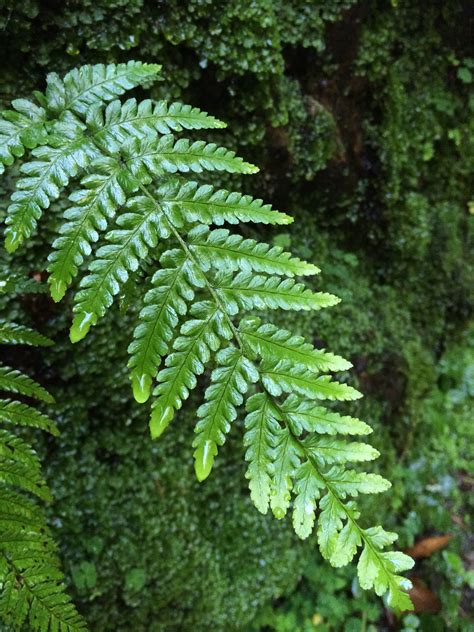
x=229, y=383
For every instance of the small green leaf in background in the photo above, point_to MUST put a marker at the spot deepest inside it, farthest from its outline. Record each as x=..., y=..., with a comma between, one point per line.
x=135, y=580
x=84, y=576
x=283, y=240
x=464, y=74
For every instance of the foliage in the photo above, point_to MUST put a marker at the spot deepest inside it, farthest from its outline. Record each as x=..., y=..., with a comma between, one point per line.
x=384, y=214
x=128, y=167
x=138, y=507
x=428, y=490
x=30, y=574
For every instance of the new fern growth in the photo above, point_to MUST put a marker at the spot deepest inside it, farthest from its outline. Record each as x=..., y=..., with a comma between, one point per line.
x=31, y=580
x=133, y=207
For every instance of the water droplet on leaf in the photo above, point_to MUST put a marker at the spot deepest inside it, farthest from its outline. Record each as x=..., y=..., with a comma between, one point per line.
x=204, y=459
x=141, y=385
x=160, y=420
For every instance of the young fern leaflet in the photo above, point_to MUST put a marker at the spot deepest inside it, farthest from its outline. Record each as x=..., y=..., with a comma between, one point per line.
x=133, y=206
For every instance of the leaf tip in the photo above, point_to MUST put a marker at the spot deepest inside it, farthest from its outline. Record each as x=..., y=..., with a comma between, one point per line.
x=57, y=289
x=81, y=325
x=141, y=386
x=204, y=459
x=12, y=241
x=160, y=420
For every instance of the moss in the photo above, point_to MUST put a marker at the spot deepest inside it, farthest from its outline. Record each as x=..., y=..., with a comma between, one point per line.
x=359, y=116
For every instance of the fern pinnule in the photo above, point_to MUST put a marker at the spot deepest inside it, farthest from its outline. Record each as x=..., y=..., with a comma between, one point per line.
x=229, y=383
x=203, y=204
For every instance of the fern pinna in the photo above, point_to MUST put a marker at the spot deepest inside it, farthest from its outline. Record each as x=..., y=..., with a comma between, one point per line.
x=132, y=208
x=31, y=580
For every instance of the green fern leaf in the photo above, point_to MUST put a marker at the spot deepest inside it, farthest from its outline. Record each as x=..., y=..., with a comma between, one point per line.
x=165, y=302
x=204, y=204
x=118, y=122
x=285, y=463
x=131, y=161
x=304, y=415
x=222, y=250
x=248, y=291
x=84, y=87
x=45, y=177
x=270, y=343
x=154, y=156
x=17, y=382
x=20, y=129
x=31, y=580
x=104, y=192
x=307, y=490
x=11, y=333
x=261, y=429
x=229, y=382
x=285, y=377
x=23, y=415
x=191, y=352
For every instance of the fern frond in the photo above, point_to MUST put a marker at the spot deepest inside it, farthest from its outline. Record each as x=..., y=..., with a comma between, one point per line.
x=20, y=129
x=252, y=291
x=118, y=122
x=191, y=352
x=222, y=250
x=134, y=172
x=21, y=414
x=303, y=415
x=44, y=179
x=16, y=382
x=154, y=156
x=105, y=190
x=85, y=86
x=206, y=205
x=260, y=438
x=229, y=383
x=32, y=586
x=285, y=377
x=270, y=343
x=165, y=302
x=13, y=334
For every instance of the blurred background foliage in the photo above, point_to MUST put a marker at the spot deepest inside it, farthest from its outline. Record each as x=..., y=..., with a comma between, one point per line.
x=360, y=115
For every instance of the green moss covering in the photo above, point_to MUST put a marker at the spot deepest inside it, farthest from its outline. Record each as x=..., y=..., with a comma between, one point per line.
x=358, y=114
